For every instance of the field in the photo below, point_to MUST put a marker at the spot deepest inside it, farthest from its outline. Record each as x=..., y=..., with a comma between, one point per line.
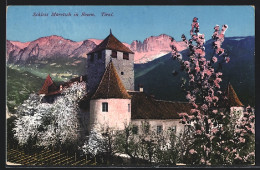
x=45, y=158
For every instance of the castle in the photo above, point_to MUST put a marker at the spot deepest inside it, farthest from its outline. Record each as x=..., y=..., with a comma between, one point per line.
x=111, y=101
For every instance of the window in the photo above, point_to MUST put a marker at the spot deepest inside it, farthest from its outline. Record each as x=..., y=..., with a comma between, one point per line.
x=159, y=129
x=126, y=56
x=122, y=73
x=135, y=130
x=92, y=57
x=173, y=129
x=99, y=54
x=129, y=108
x=104, y=107
x=114, y=54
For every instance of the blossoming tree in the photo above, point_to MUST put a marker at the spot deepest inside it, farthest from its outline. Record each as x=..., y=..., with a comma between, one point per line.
x=50, y=124
x=213, y=136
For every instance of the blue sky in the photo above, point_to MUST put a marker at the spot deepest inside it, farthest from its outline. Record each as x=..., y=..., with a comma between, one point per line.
x=128, y=23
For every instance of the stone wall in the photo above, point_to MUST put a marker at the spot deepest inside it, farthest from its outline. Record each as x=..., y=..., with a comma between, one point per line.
x=96, y=68
x=94, y=71
x=125, y=68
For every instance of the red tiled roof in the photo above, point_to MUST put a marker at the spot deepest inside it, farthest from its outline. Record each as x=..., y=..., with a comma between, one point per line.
x=146, y=107
x=229, y=98
x=112, y=43
x=110, y=85
x=233, y=99
x=48, y=86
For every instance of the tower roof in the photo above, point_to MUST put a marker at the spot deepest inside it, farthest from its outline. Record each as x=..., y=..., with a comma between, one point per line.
x=48, y=86
x=110, y=85
x=232, y=97
x=112, y=43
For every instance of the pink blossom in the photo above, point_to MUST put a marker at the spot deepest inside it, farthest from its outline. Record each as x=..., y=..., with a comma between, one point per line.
x=214, y=59
x=202, y=160
x=197, y=69
x=215, y=111
x=215, y=130
x=208, y=99
x=238, y=157
x=252, y=154
x=227, y=59
x=204, y=107
x=242, y=140
x=211, y=138
x=208, y=163
x=194, y=105
x=215, y=98
x=192, y=111
x=219, y=74
x=198, y=132
x=192, y=151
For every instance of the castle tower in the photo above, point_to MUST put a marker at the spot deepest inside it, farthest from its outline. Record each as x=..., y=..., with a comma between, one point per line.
x=97, y=61
x=110, y=106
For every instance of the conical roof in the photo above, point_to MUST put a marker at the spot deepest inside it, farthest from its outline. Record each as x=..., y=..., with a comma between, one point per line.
x=48, y=86
x=112, y=43
x=232, y=97
x=110, y=85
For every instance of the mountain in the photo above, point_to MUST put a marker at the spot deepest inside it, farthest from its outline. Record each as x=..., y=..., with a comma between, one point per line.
x=45, y=47
x=85, y=47
x=153, y=47
x=157, y=78
x=52, y=47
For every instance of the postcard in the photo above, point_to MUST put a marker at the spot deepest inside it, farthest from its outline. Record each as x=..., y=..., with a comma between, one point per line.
x=102, y=86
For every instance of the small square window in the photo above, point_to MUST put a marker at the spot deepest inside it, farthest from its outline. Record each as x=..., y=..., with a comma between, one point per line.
x=91, y=57
x=99, y=54
x=104, y=107
x=135, y=130
x=126, y=56
x=173, y=129
x=159, y=129
x=122, y=73
x=114, y=54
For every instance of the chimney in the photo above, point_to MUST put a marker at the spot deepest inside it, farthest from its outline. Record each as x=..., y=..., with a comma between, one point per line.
x=60, y=87
x=141, y=89
x=80, y=79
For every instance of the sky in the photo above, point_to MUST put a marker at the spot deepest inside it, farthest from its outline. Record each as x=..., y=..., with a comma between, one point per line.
x=127, y=23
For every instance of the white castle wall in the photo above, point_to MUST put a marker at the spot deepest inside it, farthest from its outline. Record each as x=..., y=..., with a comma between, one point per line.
x=165, y=123
x=116, y=118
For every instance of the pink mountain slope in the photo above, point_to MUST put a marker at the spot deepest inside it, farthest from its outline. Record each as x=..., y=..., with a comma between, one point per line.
x=56, y=46
x=154, y=47
x=19, y=44
x=45, y=47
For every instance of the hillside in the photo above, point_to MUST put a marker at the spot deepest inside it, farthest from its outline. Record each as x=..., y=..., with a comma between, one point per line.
x=157, y=79
x=19, y=85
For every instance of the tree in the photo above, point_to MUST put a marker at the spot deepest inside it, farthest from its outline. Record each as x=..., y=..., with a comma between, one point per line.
x=50, y=125
x=209, y=125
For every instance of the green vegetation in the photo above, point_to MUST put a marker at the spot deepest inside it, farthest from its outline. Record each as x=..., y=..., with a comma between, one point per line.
x=24, y=79
x=19, y=86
